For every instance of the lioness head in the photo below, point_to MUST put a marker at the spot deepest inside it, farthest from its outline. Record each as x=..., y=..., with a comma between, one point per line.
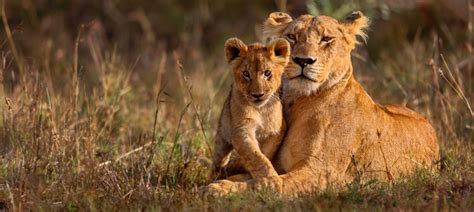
x=320, y=48
x=257, y=69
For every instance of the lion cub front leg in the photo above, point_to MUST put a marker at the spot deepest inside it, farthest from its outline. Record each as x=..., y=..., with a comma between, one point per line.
x=221, y=156
x=246, y=145
x=233, y=167
x=270, y=145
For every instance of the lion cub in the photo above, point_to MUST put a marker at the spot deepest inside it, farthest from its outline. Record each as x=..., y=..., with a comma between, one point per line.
x=251, y=120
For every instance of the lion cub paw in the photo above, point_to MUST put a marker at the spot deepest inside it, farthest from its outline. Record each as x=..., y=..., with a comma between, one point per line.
x=221, y=188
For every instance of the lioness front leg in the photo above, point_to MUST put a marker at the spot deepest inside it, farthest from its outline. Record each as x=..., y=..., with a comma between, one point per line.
x=224, y=187
x=304, y=179
x=246, y=145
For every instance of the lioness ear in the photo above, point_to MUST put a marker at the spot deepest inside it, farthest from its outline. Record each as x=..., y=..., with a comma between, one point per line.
x=274, y=25
x=234, y=48
x=355, y=25
x=279, y=48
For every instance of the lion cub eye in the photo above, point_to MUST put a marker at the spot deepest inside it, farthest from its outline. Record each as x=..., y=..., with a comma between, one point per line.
x=246, y=75
x=268, y=74
x=291, y=37
x=326, y=39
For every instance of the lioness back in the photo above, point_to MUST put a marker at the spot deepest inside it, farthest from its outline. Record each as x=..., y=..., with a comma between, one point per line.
x=252, y=121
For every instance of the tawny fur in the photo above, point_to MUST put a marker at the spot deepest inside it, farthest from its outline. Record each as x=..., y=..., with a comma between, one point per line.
x=253, y=126
x=336, y=133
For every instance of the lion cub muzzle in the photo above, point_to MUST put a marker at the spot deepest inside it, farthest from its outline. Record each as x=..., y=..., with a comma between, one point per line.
x=259, y=98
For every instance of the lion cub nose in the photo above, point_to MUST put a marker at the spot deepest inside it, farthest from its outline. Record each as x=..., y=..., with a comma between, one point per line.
x=303, y=61
x=258, y=95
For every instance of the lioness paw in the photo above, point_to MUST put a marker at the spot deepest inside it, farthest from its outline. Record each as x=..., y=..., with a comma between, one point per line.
x=273, y=183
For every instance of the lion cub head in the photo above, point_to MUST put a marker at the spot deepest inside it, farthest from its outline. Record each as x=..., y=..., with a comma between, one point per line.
x=320, y=48
x=257, y=69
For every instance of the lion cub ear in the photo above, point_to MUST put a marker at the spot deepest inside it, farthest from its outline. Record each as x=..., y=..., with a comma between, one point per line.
x=280, y=49
x=234, y=48
x=355, y=25
x=274, y=26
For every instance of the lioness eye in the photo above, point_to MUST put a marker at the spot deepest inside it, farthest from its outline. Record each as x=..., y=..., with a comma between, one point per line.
x=246, y=74
x=291, y=37
x=268, y=73
x=326, y=39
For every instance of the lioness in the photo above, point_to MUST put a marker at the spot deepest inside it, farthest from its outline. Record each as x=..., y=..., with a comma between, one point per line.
x=336, y=132
x=251, y=120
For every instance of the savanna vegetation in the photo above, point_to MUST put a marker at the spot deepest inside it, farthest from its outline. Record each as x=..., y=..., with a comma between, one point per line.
x=114, y=104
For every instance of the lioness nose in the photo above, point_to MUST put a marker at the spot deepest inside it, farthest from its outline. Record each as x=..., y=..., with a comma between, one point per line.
x=257, y=95
x=304, y=61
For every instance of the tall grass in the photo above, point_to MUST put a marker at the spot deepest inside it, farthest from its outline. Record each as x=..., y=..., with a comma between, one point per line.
x=91, y=124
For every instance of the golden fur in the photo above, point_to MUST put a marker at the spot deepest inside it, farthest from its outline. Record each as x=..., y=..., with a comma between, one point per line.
x=252, y=121
x=336, y=133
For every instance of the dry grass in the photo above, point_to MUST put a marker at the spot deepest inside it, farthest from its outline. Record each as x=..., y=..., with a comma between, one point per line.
x=93, y=126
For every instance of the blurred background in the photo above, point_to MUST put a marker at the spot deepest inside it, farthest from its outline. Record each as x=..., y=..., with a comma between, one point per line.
x=152, y=36
x=141, y=32
x=86, y=82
